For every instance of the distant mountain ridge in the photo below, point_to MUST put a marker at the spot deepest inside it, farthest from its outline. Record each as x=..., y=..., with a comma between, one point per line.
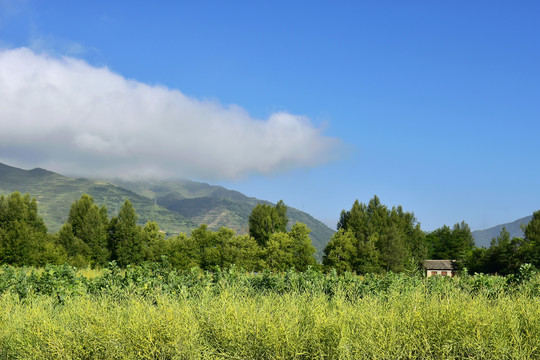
x=482, y=238
x=176, y=205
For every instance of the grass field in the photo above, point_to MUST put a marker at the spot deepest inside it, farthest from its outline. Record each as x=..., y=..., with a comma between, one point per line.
x=154, y=313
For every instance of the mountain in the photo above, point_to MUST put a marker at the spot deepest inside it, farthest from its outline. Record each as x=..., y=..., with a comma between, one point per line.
x=217, y=206
x=55, y=194
x=176, y=205
x=482, y=238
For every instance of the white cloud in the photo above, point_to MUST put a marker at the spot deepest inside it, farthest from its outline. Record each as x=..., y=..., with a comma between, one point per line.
x=66, y=115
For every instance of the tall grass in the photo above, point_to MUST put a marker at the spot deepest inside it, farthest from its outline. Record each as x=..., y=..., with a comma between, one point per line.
x=150, y=313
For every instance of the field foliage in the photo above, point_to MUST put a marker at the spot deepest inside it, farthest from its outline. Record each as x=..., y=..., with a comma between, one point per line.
x=155, y=312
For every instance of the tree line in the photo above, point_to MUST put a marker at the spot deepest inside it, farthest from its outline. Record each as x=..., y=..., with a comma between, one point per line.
x=370, y=238
x=90, y=238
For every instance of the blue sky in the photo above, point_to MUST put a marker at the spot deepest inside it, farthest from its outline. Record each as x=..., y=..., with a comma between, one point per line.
x=431, y=105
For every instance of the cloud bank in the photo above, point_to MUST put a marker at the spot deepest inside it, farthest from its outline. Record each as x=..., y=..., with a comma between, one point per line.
x=66, y=115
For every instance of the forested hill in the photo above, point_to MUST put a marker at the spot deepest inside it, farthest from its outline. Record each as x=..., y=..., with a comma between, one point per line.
x=55, y=194
x=177, y=206
x=217, y=206
x=482, y=238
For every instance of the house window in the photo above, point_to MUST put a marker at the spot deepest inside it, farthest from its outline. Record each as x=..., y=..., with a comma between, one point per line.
x=444, y=273
x=434, y=273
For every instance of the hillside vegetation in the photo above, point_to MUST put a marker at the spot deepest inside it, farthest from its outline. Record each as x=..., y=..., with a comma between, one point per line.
x=216, y=206
x=178, y=206
x=55, y=194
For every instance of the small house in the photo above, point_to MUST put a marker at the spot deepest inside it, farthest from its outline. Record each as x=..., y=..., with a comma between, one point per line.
x=440, y=267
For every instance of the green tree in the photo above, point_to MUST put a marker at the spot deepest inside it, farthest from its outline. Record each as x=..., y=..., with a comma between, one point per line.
x=340, y=252
x=265, y=220
x=279, y=253
x=282, y=219
x=293, y=249
x=438, y=243
x=209, y=249
x=532, y=230
x=125, y=236
x=303, y=251
x=77, y=251
x=222, y=248
x=204, y=248
x=478, y=261
x=383, y=239
x=453, y=244
x=49, y=251
x=181, y=252
x=23, y=234
x=463, y=240
x=153, y=241
x=243, y=251
x=504, y=256
x=532, y=237
x=393, y=248
x=86, y=224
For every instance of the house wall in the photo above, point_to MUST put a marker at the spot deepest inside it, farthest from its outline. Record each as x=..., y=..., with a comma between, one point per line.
x=450, y=273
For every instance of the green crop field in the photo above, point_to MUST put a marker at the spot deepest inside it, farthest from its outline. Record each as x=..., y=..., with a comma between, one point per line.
x=154, y=312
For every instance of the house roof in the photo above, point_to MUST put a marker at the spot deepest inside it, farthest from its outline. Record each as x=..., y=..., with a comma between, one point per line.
x=440, y=264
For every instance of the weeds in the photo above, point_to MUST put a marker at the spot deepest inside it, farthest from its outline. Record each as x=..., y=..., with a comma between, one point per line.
x=156, y=312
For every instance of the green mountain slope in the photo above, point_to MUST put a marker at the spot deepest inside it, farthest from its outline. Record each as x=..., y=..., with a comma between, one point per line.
x=217, y=206
x=177, y=206
x=55, y=194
